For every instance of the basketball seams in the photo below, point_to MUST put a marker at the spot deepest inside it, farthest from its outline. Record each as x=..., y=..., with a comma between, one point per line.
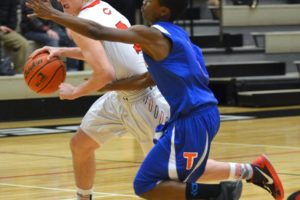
x=31, y=60
x=40, y=70
x=44, y=76
x=61, y=66
x=65, y=73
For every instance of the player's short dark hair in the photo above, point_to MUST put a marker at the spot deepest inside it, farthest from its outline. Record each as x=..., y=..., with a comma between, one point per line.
x=177, y=7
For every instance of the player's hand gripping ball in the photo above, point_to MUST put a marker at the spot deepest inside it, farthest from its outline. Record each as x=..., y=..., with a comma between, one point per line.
x=43, y=76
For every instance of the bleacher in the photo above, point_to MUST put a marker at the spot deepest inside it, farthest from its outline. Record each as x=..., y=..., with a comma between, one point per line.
x=18, y=102
x=252, y=53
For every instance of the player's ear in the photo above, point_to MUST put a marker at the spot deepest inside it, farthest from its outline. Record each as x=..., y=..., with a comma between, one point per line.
x=165, y=12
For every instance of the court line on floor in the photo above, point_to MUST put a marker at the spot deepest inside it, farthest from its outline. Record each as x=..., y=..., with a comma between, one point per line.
x=67, y=172
x=64, y=157
x=257, y=145
x=137, y=165
x=66, y=190
x=255, y=155
x=104, y=196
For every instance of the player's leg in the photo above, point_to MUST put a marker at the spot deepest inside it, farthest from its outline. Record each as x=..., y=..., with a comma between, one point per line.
x=84, y=165
x=176, y=162
x=177, y=190
x=260, y=172
x=144, y=114
x=142, y=118
x=222, y=191
x=216, y=170
x=101, y=123
x=17, y=46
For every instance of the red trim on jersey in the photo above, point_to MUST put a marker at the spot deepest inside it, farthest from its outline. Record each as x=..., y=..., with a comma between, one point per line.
x=91, y=5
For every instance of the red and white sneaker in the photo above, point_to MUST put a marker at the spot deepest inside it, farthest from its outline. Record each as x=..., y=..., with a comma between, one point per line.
x=294, y=196
x=265, y=176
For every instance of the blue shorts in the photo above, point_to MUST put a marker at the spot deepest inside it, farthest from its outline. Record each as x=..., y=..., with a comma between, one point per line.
x=182, y=152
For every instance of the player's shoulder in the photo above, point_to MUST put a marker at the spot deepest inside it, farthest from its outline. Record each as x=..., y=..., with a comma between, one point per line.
x=144, y=30
x=100, y=9
x=103, y=14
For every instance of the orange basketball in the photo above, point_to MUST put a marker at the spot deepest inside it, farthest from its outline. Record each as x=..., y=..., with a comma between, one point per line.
x=43, y=76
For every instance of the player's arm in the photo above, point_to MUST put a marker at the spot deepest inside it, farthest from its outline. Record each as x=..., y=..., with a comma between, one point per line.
x=70, y=52
x=152, y=41
x=102, y=70
x=137, y=82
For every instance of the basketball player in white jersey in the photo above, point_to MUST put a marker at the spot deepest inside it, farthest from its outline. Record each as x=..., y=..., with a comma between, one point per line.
x=115, y=113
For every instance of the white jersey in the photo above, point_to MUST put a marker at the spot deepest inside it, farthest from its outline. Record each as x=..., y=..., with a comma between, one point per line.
x=127, y=59
x=117, y=113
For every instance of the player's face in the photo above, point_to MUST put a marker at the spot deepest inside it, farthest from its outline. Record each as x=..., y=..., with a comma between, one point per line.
x=151, y=10
x=72, y=6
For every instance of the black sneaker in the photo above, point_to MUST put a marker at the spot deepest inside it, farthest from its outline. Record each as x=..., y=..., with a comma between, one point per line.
x=231, y=190
x=265, y=176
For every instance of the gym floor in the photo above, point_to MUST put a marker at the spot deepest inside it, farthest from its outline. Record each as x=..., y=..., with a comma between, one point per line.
x=36, y=162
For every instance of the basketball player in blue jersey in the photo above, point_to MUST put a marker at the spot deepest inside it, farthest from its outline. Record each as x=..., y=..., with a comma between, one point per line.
x=179, y=158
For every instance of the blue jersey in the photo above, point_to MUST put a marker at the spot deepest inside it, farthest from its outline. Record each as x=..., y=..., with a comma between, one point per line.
x=182, y=148
x=182, y=72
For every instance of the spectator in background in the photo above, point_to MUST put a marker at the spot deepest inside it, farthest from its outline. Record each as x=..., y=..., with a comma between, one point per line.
x=14, y=43
x=48, y=33
x=215, y=11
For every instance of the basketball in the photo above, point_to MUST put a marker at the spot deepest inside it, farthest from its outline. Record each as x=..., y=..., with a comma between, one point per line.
x=43, y=76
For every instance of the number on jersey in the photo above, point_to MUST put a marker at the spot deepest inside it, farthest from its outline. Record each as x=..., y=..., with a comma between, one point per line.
x=121, y=25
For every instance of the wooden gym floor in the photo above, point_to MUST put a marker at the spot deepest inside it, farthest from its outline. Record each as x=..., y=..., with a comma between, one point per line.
x=39, y=166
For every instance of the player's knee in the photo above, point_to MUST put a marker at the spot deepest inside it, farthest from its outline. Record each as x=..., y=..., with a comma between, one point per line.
x=146, y=195
x=136, y=186
x=81, y=143
x=140, y=188
x=142, y=192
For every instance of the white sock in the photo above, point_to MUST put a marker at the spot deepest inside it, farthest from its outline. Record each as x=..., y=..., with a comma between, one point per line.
x=240, y=171
x=232, y=167
x=84, y=194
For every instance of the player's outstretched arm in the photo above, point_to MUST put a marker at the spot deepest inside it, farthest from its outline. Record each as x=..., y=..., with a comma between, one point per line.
x=151, y=40
x=91, y=29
